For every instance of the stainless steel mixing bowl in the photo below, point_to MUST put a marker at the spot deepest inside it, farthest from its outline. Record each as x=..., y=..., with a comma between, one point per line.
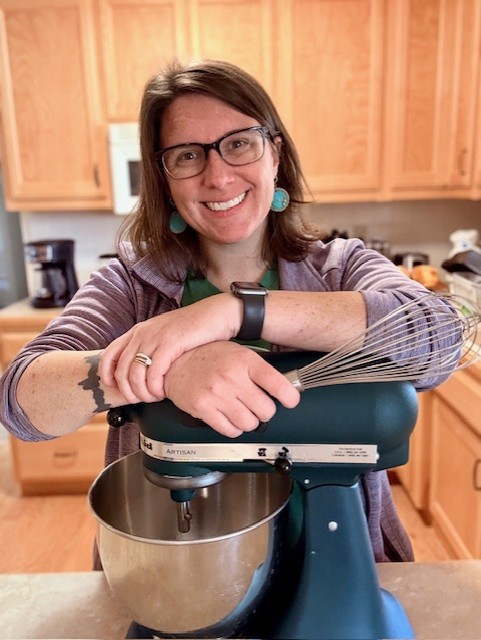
x=206, y=582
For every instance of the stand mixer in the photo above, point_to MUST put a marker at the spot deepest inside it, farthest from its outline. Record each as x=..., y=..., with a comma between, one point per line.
x=318, y=578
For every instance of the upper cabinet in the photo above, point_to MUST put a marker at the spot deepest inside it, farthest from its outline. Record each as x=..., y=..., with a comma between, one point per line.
x=477, y=159
x=329, y=85
x=54, y=135
x=382, y=97
x=239, y=31
x=432, y=71
x=136, y=39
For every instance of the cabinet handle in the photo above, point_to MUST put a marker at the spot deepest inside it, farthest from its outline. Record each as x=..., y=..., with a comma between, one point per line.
x=476, y=484
x=96, y=175
x=462, y=161
x=63, y=459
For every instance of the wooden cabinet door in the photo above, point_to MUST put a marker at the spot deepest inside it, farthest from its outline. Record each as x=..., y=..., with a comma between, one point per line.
x=238, y=31
x=11, y=342
x=137, y=38
x=456, y=481
x=477, y=158
x=329, y=78
x=433, y=59
x=466, y=49
x=55, y=152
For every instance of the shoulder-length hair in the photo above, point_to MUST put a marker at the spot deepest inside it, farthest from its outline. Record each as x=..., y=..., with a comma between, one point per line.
x=287, y=234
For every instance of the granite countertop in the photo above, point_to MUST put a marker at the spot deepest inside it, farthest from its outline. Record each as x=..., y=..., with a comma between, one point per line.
x=442, y=601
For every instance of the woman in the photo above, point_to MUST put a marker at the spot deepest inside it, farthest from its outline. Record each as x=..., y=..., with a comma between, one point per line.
x=220, y=203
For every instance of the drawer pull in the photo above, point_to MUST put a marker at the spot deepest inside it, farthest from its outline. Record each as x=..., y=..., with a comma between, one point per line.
x=476, y=476
x=65, y=458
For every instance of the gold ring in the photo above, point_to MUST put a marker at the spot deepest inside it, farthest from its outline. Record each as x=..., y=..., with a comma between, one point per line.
x=142, y=358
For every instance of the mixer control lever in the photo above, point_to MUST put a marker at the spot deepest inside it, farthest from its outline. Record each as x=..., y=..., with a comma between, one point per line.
x=283, y=463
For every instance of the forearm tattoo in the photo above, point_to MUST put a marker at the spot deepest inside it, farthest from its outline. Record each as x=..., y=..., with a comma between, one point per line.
x=92, y=383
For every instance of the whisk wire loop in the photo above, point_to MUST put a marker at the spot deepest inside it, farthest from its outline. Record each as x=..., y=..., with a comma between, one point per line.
x=417, y=341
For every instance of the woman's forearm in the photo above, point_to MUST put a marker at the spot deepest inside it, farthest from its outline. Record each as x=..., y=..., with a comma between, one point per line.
x=60, y=391
x=314, y=321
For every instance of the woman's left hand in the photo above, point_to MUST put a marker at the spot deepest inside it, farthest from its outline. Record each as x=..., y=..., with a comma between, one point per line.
x=162, y=339
x=228, y=386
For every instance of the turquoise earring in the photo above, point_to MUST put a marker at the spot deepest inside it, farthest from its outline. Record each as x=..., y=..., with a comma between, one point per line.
x=177, y=224
x=280, y=201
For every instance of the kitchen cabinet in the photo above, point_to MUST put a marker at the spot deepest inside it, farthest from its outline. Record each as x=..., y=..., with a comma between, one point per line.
x=64, y=465
x=309, y=55
x=456, y=463
x=329, y=82
x=433, y=60
x=136, y=39
x=415, y=475
x=239, y=31
x=53, y=132
x=477, y=160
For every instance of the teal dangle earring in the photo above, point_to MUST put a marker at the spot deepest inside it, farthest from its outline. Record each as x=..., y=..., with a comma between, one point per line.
x=177, y=224
x=280, y=201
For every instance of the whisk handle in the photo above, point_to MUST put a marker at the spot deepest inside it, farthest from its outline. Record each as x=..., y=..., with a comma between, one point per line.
x=293, y=377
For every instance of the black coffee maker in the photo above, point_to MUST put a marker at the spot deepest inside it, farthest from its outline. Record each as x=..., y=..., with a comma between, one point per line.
x=54, y=279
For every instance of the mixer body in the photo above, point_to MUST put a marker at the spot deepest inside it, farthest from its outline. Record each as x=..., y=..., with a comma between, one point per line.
x=324, y=583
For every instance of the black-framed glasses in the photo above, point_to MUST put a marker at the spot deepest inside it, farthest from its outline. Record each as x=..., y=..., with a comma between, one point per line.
x=237, y=148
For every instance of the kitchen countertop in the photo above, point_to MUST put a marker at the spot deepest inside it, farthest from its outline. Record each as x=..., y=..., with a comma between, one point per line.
x=442, y=601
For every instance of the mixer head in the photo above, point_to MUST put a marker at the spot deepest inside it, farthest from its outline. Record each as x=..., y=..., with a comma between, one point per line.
x=334, y=435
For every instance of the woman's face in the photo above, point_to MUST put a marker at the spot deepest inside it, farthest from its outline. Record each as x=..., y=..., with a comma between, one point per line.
x=225, y=204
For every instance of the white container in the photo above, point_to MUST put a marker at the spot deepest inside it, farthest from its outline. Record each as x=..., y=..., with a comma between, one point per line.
x=467, y=285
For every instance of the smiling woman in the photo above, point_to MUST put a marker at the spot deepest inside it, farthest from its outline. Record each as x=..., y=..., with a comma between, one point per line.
x=221, y=203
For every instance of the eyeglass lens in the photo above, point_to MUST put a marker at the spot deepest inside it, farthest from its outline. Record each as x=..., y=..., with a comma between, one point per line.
x=238, y=148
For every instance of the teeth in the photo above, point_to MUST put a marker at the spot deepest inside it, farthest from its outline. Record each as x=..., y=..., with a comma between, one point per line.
x=224, y=206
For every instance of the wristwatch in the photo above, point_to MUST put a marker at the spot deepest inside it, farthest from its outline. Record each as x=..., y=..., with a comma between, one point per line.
x=253, y=295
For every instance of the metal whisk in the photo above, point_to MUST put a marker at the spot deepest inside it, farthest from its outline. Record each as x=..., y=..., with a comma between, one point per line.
x=415, y=342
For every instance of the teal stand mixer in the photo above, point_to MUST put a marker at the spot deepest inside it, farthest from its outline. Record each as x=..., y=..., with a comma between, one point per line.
x=324, y=584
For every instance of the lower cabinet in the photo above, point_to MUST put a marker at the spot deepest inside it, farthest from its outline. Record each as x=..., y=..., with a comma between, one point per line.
x=443, y=475
x=68, y=464
x=456, y=471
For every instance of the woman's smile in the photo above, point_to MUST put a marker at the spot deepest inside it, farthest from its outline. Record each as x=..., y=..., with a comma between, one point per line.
x=227, y=204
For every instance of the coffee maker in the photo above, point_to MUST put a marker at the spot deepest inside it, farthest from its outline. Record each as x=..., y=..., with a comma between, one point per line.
x=54, y=279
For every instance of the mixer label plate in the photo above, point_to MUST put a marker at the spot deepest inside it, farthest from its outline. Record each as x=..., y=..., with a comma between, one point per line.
x=241, y=452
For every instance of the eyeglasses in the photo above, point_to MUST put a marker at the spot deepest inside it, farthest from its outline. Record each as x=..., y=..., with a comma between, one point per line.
x=237, y=148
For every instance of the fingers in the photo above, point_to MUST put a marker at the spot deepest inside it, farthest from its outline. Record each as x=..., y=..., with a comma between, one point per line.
x=233, y=415
x=132, y=372
x=274, y=383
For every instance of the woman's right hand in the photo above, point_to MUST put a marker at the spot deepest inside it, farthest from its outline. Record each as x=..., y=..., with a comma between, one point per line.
x=228, y=386
x=163, y=339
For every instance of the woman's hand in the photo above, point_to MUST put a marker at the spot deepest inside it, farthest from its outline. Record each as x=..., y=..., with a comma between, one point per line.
x=163, y=339
x=228, y=386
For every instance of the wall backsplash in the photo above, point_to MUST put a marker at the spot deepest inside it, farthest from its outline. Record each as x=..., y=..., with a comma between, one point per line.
x=409, y=226
x=422, y=226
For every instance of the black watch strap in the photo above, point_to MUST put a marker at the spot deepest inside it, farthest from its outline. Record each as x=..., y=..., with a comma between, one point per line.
x=253, y=296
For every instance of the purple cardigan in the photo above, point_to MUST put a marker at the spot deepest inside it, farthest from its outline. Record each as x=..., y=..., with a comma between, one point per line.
x=127, y=291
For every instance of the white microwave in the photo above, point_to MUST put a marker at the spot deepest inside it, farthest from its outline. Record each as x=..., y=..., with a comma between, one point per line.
x=124, y=151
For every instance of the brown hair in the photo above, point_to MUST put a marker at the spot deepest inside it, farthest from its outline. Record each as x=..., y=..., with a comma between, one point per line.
x=287, y=234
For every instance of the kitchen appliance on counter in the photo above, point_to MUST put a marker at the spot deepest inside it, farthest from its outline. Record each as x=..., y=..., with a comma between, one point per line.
x=410, y=259
x=263, y=536
x=54, y=278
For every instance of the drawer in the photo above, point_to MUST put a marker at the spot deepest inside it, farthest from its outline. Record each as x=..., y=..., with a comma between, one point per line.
x=462, y=392
x=68, y=464
x=12, y=342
